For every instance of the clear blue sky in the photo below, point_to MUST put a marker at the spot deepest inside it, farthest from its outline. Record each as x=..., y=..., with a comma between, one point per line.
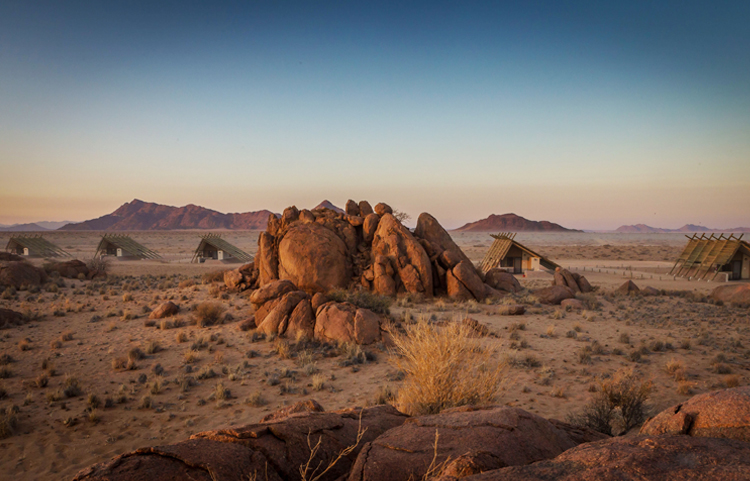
x=590, y=114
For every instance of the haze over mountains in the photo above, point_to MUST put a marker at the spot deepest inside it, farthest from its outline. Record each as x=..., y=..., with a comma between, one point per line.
x=645, y=229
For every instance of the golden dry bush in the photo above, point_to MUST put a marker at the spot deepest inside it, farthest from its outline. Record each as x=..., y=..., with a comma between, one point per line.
x=444, y=367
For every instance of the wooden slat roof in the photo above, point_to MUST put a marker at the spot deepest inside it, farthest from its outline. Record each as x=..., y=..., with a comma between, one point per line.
x=704, y=256
x=37, y=245
x=499, y=249
x=127, y=244
x=217, y=242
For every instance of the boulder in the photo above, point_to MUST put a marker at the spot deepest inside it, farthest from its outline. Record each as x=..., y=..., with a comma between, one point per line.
x=307, y=406
x=394, y=241
x=302, y=319
x=650, y=291
x=285, y=442
x=165, y=309
x=370, y=226
x=731, y=294
x=493, y=293
x=553, y=294
x=467, y=274
x=570, y=280
x=429, y=228
x=278, y=318
x=583, y=283
x=474, y=439
x=314, y=258
x=318, y=300
x=477, y=328
x=636, y=458
x=512, y=310
x=450, y=258
x=717, y=414
x=69, y=269
x=271, y=291
x=628, y=288
x=7, y=257
x=233, y=279
x=571, y=304
x=502, y=281
x=351, y=208
x=305, y=216
x=382, y=209
x=267, y=263
x=456, y=289
x=194, y=459
x=10, y=318
x=365, y=208
x=354, y=220
x=271, y=450
x=20, y=274
x=344, y=322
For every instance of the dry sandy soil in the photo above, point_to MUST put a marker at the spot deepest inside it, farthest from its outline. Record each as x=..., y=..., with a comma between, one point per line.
x=546, y=373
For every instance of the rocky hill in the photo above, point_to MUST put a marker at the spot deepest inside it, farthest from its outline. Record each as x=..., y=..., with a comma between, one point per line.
x=22, y=228
x=646, y=229
x=512, y=222
x=139, y=215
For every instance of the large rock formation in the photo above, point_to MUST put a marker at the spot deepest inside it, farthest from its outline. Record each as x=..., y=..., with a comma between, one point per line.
x=717, y=414
x=273, y=450
x=363, y=247
x=471, y=440
x=637, y=458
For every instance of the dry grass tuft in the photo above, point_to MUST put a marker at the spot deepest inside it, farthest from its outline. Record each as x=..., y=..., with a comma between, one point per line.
x=444, y=367
x=208, y=313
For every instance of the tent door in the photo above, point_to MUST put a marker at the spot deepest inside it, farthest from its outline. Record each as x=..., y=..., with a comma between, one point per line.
x=736, y=270
x=517, y=265
x=25, y=251
x=221, y=255
x=119, y=252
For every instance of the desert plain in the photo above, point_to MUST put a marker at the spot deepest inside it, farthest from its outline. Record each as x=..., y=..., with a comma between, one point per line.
x=92, y=377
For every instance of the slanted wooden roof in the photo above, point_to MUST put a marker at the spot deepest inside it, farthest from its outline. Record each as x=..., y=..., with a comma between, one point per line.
x=220, y=244
x=704, y=256
x=499, y=249
x=127, y=244
x=37, y=245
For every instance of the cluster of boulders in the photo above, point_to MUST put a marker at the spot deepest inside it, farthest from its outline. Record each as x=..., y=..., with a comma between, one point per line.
x=369, y=248
x=70, y=269
x=706, y=438
x=281, y=308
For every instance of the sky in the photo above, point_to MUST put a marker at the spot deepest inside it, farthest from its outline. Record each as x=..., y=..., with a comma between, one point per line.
x=586, y=113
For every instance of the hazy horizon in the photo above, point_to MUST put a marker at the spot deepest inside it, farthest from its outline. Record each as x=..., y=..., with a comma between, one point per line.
x=587, y=114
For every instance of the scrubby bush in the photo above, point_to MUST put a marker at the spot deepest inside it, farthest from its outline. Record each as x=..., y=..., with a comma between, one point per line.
x=363, y=299
x=445, y=367
x=618, y=407
x=208, y=313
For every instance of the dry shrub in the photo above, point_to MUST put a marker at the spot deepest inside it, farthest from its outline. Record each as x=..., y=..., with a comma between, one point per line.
x=674, y=366
x=444, y=367
x=208, y=313
x=618, y=407
x=364, y=299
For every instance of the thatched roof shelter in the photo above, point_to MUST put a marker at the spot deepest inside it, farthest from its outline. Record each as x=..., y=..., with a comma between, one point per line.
x=34, y=246
x=212, y=246
x=509, y=253
x=120, y=245
x=704, y=257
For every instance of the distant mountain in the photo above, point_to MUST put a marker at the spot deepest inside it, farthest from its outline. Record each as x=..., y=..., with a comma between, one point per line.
x=514, y=223
x=53, y=225
x=327, y=205
x=645, y=229
x=139, y=215
x=22, y=228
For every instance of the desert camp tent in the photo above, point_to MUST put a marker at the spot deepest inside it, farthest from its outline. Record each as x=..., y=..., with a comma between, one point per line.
x=123, y=247
x=34, y=246
x=507, y=253
x=212, y=246
x=705, y=257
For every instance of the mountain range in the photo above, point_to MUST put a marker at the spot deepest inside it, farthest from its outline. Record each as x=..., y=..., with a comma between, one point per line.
x=139, y=215
x=645, y=229
x=512, y=222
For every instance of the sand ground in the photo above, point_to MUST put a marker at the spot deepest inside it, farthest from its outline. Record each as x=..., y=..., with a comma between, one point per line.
x=547, y=374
